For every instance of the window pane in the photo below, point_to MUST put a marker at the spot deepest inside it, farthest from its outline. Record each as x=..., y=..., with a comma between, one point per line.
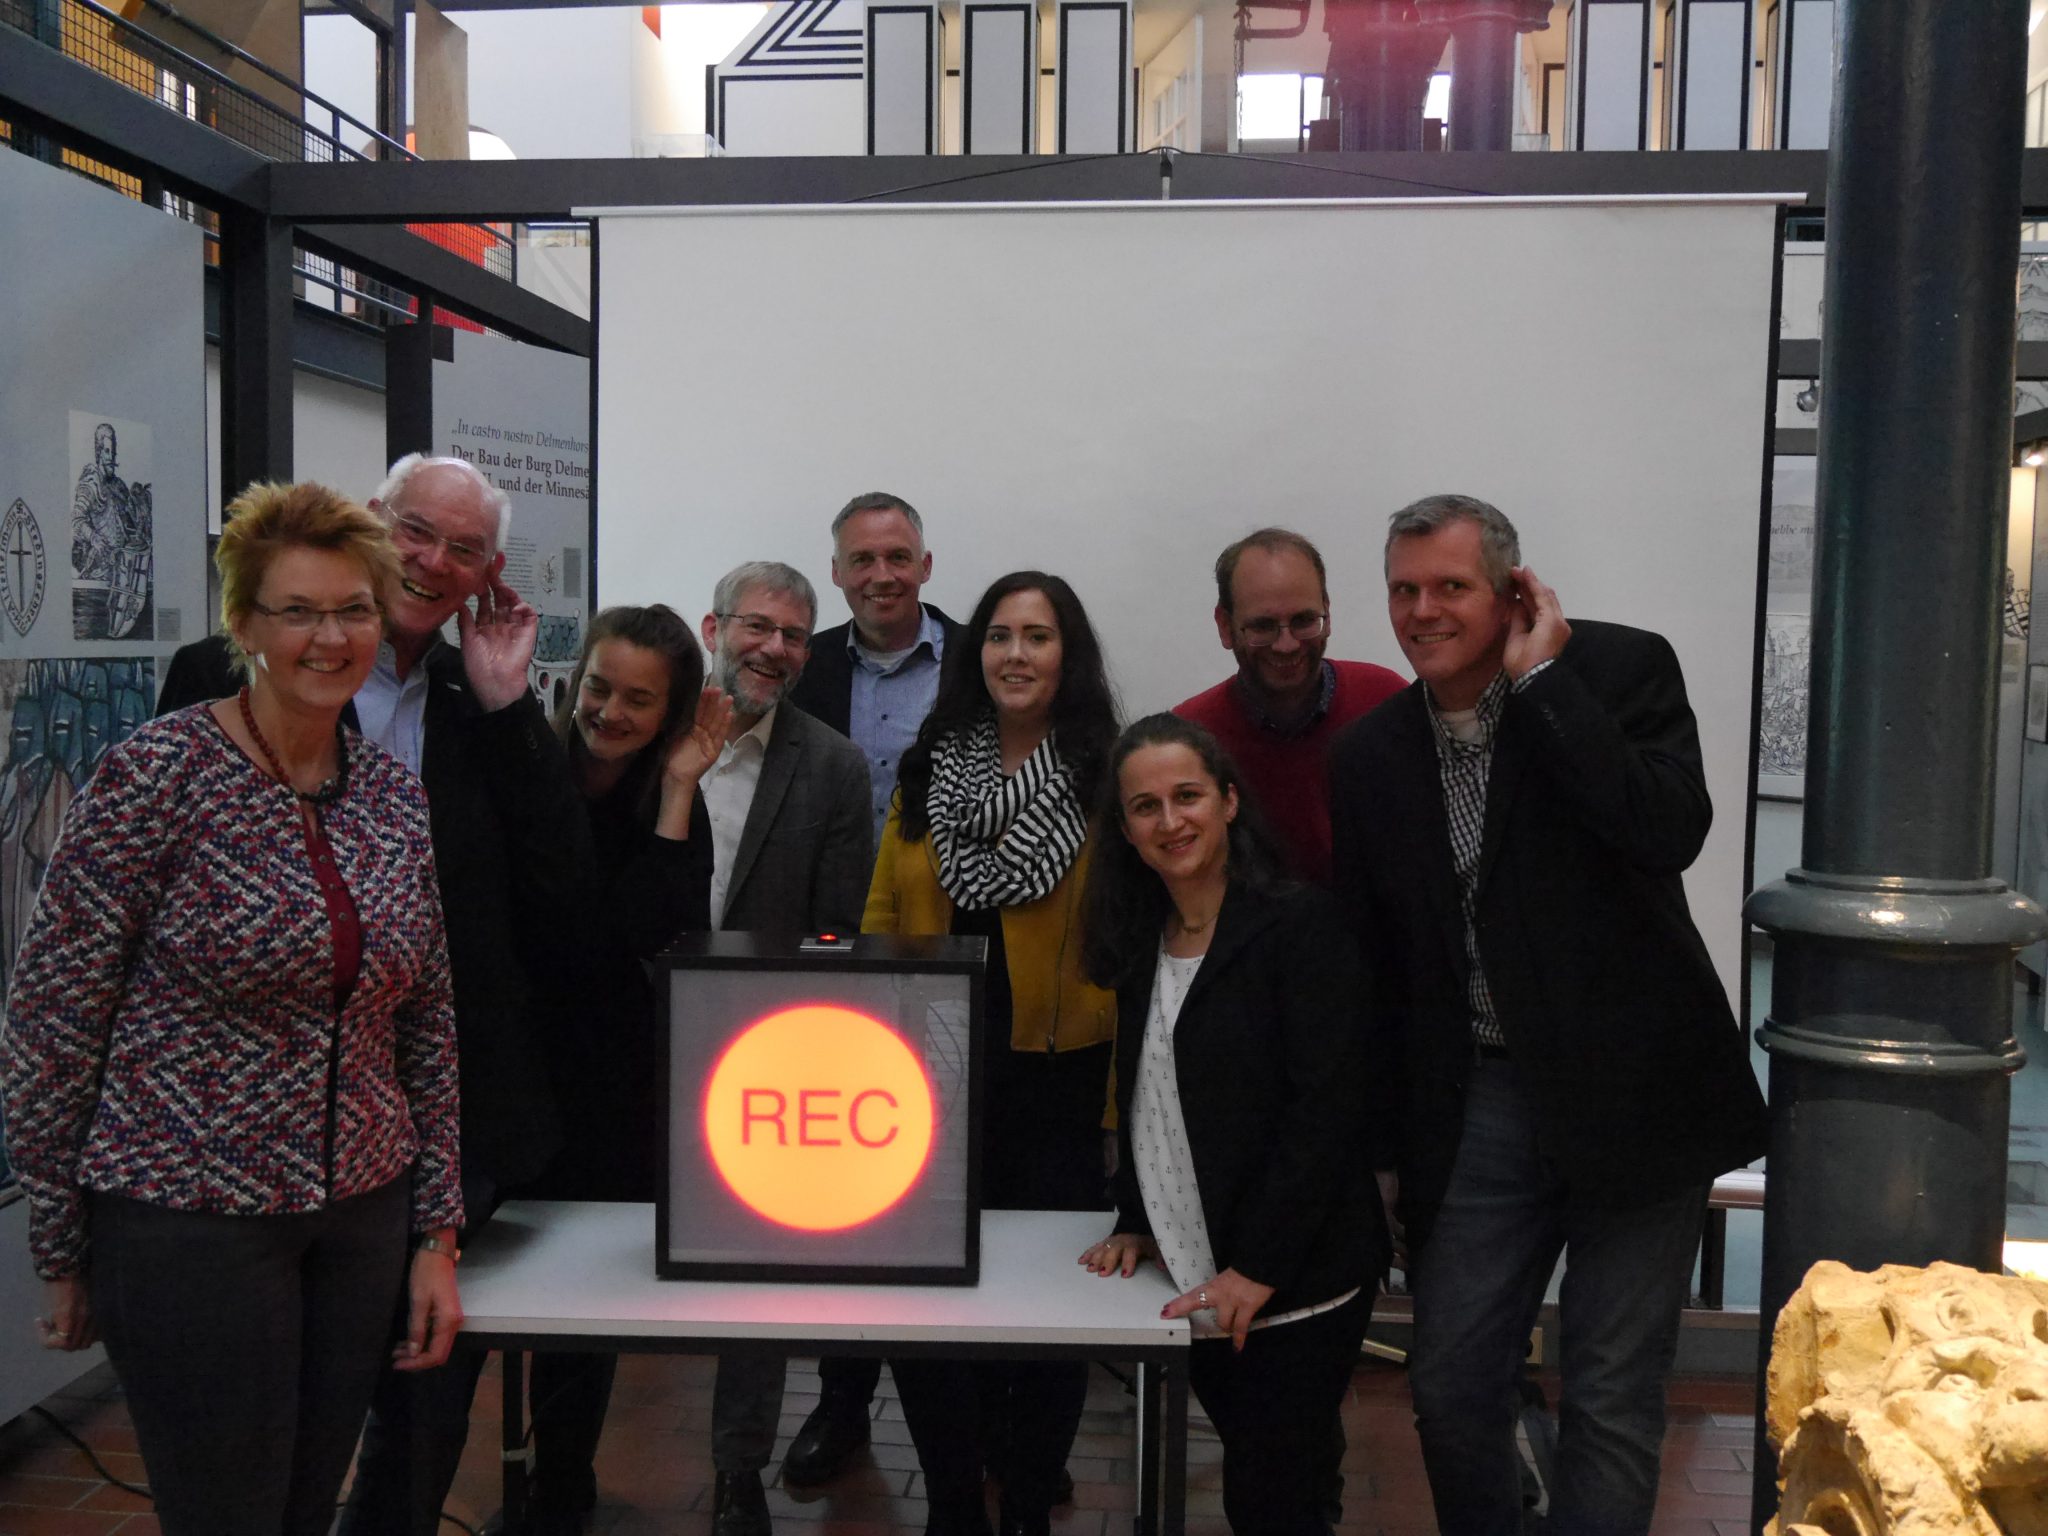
x=1437, y=103
x=1268, y=106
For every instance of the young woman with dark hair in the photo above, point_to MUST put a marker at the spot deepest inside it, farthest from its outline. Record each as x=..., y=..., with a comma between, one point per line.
x=1081, y=710
x=1241, y=1076
x=640, y=729
x=989, y=836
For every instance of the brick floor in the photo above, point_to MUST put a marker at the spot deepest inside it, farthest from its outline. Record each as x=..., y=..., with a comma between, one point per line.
x=654, y=1470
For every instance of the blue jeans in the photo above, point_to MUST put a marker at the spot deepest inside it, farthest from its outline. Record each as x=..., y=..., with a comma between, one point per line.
x=1478, y=1288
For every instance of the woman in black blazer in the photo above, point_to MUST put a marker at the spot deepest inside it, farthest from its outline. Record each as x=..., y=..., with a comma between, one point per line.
x=640, y=729
x=1241, y=1071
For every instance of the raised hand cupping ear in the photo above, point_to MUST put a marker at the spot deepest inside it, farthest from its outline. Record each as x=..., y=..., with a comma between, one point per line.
x=497, y=644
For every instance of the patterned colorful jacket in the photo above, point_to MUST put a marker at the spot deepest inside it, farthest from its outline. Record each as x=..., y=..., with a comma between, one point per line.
x=171, y=1034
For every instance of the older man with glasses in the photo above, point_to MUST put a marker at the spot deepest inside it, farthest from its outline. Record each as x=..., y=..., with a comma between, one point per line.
x=1287, y=703
x=511, y=843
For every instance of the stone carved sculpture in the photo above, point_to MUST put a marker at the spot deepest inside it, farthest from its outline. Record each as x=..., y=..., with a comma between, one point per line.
x=1910, y=1402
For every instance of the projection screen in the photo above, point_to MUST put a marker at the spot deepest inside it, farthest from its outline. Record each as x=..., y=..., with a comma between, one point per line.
x=1114, y=391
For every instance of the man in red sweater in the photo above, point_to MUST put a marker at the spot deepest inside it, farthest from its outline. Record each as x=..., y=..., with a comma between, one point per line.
x=1279, y=714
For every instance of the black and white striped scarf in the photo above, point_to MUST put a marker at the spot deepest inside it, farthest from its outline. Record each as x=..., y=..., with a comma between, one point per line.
x=1001, y=842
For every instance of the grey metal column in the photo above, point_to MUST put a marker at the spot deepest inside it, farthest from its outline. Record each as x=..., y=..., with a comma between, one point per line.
x=1484, y=64
x=1890, y=1029
x=1378, y=72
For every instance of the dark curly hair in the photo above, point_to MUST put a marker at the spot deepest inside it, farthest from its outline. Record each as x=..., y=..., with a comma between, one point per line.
x=656, y=628
x=1084, y=711
x=1124, y=909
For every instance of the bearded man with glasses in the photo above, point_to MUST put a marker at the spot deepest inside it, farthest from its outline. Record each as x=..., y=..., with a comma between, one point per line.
x=511, y=846
x=1287, y=703
x=792, y=847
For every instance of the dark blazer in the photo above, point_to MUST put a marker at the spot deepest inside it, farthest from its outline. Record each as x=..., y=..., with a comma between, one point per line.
x=1272, y=1061
x=641, y=893
x=511, y=851
x=1617, y=1023
x=808, y=848
x=825, y=691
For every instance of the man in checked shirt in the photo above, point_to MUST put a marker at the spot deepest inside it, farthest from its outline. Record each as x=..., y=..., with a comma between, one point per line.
x=1563, y=1072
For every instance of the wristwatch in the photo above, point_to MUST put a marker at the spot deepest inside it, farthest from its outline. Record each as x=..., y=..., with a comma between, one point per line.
x=435, y=1245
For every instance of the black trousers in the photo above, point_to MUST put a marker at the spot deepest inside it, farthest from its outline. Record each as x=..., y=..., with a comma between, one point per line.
x=848, y=1382
x=569, y=1392
x=418, y=1425
x=1017, y=1418
x=248, y=1347
x=1041, y=1151
x=1272, y=1405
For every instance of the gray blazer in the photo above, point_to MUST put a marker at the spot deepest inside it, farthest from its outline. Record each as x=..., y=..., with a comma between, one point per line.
x=808, y=849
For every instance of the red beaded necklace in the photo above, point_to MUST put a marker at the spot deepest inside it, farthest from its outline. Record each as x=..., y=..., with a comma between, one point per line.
x=329, y=790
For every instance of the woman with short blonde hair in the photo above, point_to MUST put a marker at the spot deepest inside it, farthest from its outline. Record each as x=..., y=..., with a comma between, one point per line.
x=229, y=1055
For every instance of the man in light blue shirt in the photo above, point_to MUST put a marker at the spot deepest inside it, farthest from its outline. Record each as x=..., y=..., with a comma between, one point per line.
x=874, y=679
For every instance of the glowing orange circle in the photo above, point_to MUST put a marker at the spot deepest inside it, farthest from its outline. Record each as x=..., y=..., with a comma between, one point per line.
x=819, y=1117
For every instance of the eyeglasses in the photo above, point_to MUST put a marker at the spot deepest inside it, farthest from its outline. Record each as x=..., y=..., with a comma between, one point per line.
x=1259, y=633
x=300, y=617
x=758, y=627
x=416, y=535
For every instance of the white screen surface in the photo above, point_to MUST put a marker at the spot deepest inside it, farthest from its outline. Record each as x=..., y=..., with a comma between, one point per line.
x=1113, y=392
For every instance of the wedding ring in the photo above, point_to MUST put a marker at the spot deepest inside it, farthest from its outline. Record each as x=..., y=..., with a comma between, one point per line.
x=1202, y=1298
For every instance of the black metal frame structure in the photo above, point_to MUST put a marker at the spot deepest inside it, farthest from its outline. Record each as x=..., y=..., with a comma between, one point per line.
x=345, y=211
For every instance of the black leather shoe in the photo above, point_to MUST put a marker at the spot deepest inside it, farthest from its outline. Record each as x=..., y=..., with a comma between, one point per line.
x=819, y=1453
x=738, y=1507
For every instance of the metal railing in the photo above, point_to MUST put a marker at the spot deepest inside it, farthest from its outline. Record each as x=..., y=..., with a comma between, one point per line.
x=115, y=47
x=200, y=92
x=368, y=142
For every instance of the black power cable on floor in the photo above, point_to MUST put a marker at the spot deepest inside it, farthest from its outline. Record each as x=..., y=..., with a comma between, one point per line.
x=142, y=1492
x=91, y=1455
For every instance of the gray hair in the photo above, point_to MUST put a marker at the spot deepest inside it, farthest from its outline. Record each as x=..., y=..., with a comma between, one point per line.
x=770, y=576
x=1500, y=547
x=496, y=502
x=877, y=501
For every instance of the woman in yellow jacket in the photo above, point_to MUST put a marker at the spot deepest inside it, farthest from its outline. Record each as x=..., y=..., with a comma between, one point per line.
x=988, y=838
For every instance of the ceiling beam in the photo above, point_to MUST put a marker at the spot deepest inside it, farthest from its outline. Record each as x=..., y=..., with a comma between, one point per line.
x=406, y=261
x=551, y=189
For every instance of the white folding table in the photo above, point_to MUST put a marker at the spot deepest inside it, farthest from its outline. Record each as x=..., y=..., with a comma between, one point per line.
x=547, y=1274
